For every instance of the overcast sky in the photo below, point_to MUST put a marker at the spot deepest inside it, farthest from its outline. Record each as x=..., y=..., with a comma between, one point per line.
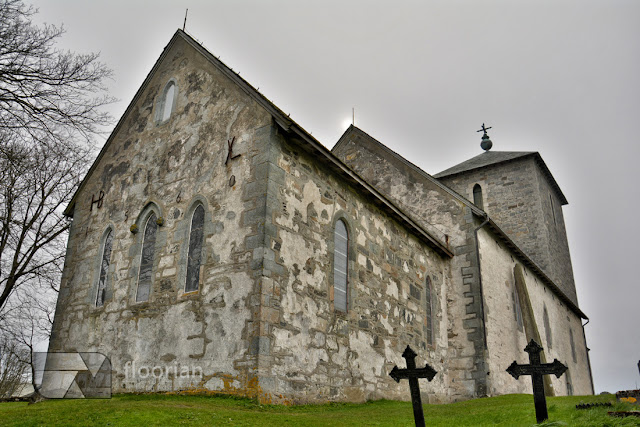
x=557, y=77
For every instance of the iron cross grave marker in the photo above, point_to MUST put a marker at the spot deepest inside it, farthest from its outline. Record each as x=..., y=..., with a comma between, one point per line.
x=412, y=374
x=537, y=370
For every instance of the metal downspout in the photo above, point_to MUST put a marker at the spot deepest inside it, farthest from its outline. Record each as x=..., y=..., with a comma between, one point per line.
x=584, y=336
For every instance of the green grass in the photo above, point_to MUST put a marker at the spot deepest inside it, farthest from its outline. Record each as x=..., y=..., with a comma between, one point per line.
x=164, y=410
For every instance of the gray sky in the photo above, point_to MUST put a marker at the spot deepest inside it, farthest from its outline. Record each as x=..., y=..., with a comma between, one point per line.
x=558, y=77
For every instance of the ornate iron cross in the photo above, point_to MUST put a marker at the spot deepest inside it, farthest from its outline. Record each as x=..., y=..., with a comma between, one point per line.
x=537, y=370
x=413, y=373
x=484, y=129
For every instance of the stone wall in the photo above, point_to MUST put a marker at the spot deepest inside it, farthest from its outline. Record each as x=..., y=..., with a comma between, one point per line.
x=506, y=337
x=517, y=196
x=316, y=352
x=168, y=167
x=448, y=217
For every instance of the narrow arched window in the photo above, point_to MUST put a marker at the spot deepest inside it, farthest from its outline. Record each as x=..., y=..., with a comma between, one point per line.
x=146, y=259
x=428, y=291
x=573, y=347
x=547, y=326
x=194, y=258
x=166, y=102
x=477, y=196
x=105, y=261
x=340, y=265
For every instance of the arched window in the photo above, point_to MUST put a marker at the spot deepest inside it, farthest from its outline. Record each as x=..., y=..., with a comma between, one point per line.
x=340, y=265
x=477, y=196
x=547, y=326
x=146, y=259
x=573, y=347
x=428, y=292
x=166, y=103
x=194, y=258
x=104, y=268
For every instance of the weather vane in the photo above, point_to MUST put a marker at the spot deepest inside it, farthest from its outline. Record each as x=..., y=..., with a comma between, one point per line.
x=486, y=143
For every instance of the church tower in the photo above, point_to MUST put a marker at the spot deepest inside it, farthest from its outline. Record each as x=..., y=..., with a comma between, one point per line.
x=519, y=193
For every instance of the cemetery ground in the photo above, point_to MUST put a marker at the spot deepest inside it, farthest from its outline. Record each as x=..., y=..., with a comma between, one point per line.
x=165, y=409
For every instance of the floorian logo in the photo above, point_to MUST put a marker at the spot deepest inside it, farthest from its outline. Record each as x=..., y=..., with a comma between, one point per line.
x=73, y=375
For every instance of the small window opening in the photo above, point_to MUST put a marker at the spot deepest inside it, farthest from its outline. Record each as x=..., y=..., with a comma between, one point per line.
x=104, y=268
x=429, y=310
x=547, y=327
x=553, y=210
x=194, y=258
x=477, y=196
x=146, y=259
x=340, y=266
x=573, y=347
x=516, y=308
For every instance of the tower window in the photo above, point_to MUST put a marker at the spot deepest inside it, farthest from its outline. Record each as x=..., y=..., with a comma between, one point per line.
x=194, y=259
x=553, y=211
x=573, y=347
x=104, y=268
x=146, y=259
x=340, y=265
x=477, y=196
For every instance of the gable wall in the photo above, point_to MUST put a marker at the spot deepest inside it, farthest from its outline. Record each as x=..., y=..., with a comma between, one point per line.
x=173, y=165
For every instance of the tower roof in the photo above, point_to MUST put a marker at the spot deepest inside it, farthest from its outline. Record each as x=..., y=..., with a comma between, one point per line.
x=490, y=158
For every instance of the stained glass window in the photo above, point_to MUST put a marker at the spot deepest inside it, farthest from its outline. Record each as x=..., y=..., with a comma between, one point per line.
x=146, y=259
x=104, y=268
x=340, y=266
x=194, y=259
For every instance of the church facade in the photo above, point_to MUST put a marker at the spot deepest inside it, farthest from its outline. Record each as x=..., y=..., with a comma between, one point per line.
x=216, y=245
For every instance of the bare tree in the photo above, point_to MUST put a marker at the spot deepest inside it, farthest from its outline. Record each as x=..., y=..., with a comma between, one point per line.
x=27, y=323
x=46, y=93
x=38, y=182
x=50, y=109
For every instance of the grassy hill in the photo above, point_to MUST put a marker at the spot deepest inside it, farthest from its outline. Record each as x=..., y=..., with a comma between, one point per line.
x=164, y=410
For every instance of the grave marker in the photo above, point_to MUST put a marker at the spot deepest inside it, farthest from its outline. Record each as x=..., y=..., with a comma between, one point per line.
x=412, y=374
x=537, y=370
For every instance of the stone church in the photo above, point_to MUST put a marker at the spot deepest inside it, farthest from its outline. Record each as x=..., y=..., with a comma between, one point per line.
x=216, y=245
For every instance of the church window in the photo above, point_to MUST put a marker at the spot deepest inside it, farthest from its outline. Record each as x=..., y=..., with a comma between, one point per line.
x=146, y=259
x=573, y=347
x=553, y=211
x=105, y=261
x=516, y=307
x=428, y=292
x=547, y=326
x=166, y=104
x=194, y=258
x=477, y=196
x=340, y=265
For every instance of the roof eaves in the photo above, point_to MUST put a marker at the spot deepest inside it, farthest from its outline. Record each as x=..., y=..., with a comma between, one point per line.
x=352, y=129
x=535, y=268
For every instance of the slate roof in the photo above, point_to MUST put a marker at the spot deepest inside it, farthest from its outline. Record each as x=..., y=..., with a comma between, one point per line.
x=489, y=158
